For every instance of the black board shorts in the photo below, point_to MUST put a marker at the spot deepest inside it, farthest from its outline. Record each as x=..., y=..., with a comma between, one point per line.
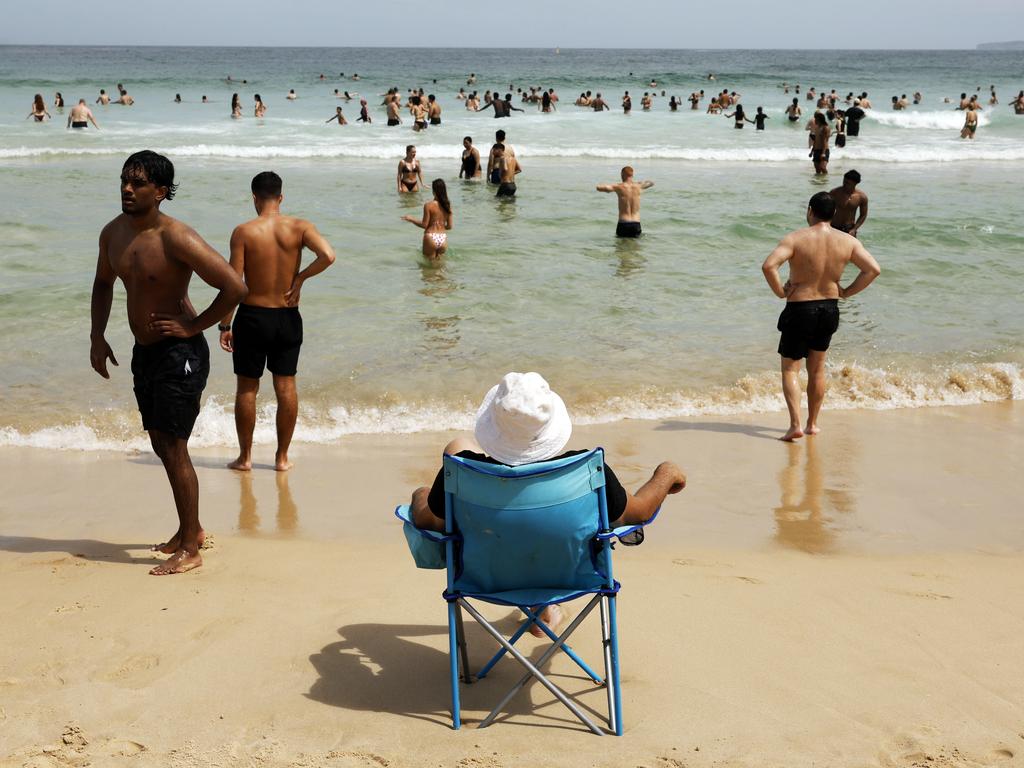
x=266, y=336
x=392, y=121
x=807, y=325
x=627, y=229
x=169, y=379
x=506, y=189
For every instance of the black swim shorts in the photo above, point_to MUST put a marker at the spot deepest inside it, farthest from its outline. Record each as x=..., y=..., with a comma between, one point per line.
x=816, y=155
x=269, y=336
x=170, y=376
x=392, y=121
x=506, y=189
x=627, y=229
x=807, y=325
x=435, y=121
x=843, y=227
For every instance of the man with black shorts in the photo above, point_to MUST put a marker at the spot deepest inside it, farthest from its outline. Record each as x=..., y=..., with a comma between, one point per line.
x=628, y=192
x=267, y=329
x=155, y=257
x=817, y=256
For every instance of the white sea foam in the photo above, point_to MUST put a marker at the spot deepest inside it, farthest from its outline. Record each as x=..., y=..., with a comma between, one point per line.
x=948, y=120
x=954, y=152
x=850, y=386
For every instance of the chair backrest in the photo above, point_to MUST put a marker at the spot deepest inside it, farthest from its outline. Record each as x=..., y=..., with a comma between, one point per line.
x=526, y=527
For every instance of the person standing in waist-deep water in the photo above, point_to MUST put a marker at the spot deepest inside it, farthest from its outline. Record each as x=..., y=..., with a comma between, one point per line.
x=39, y=111
x=853, y=117
x=470, y=168
x=817, y=256
x=793, y=111
x=759, y=119
x=155, y=257
x=339, y=116
x=364, y=113
x=436, y=221
x=820, y=135
x=508, y=167
x=433, y=110
x=628, y=193
x=236, y=107
x=260, y=109
x=740, y=116
x=410, y=173
x=80, y=116
x=851, y=204
x=267, y=329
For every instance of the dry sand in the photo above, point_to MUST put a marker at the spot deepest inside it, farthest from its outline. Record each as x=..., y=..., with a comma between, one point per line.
x=854, y=600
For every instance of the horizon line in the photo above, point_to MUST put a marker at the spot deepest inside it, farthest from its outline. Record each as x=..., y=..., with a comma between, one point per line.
x=489, y=49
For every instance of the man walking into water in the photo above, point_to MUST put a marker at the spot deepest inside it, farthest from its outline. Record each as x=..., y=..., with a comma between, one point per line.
x=267, y=329
x=851, y=204
x=628, y=192
x=155, y=257
x=817, y=256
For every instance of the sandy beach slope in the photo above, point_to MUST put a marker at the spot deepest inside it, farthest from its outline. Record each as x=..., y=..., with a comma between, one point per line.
x=854, y=600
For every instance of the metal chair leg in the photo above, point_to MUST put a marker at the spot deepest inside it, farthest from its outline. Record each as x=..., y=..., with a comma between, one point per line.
x=467, y=676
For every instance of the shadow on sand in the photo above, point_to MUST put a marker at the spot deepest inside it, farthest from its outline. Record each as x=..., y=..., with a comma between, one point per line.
x=751, y=430
x=382, y=668
x=87, y=549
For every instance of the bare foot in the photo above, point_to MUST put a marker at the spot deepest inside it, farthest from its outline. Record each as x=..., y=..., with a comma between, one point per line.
x=281, y=464
x=794, y=433
x=241, y=465
x=812, y=429
x=173, y=544
x=180, y=562
x=552, y=616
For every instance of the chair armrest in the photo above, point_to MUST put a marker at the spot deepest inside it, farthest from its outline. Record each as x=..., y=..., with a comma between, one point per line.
x=625, y=530
x=404, y=513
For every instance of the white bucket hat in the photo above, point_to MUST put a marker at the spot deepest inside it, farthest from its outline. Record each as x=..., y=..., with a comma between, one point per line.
x=521, y=420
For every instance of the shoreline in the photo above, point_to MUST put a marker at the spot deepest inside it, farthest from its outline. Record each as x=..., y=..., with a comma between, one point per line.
x=848, y=600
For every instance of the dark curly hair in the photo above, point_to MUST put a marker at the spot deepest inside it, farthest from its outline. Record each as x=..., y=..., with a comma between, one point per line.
x=157, y=168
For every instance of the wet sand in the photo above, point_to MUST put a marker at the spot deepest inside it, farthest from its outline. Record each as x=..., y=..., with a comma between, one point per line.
x=853, y=599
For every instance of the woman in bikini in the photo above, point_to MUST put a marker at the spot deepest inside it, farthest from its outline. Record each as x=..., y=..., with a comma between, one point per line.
x=236, y=106
x=261, y=108
x=419, y=114
x=410, y=174
x=437, y=220
x=38, y=109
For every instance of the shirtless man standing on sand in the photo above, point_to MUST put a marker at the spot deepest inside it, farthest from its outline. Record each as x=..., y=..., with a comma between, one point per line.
x=817, y=256
x=155, y=257
x=628, y=192
x=849, y=200
x=267, y=328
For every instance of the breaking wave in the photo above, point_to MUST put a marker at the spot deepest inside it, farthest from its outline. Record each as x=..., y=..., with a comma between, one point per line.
x=851, y=386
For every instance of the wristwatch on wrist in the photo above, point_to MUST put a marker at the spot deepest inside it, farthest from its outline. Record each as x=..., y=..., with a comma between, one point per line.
x=223, y=328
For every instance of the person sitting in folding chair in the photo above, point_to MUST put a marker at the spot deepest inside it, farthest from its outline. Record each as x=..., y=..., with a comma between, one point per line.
x=521, y=421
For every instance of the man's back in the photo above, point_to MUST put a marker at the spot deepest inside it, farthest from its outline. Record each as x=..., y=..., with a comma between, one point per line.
x=628, y=193
x=272, y=256
x=819, y=256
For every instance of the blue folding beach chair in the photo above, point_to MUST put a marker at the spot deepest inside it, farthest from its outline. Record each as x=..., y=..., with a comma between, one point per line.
x=528, y=537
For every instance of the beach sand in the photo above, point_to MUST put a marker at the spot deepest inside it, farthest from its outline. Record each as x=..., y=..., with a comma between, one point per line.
x=853, y=600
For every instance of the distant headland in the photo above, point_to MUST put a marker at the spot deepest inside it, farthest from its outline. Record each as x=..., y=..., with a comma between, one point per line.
x=1013, y=45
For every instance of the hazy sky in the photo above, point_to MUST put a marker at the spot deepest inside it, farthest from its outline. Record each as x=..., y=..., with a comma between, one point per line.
x=524, y=23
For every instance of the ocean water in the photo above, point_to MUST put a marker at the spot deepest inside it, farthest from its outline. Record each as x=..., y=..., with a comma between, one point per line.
x=677, y=323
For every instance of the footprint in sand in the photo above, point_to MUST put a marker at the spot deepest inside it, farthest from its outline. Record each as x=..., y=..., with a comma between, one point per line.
x=136, y=671
x=123, y=747
x=356, y=759
x=1000, y=754
x=924, y=595
x=750, y=580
